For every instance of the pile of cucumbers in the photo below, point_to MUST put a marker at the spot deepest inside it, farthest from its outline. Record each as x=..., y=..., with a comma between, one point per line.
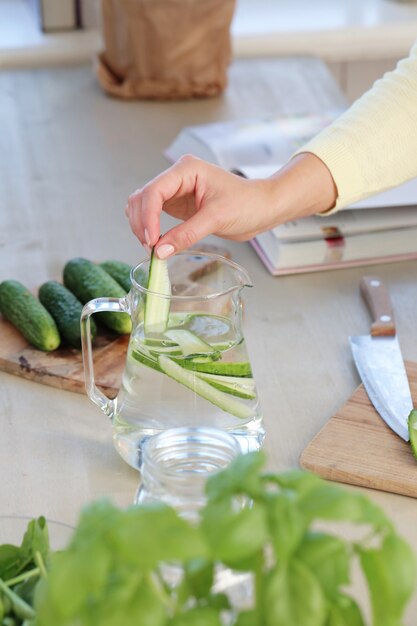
x=55, y=315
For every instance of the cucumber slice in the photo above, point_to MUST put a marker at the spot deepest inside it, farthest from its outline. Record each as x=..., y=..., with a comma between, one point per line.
x=191, y=345
x=145, y=360
x=235, y=385
x=205, y=359
x=158, y=299
x=168, y=350
x=238, y=386
x=233, y=390
x=152, y=342
x=222, y=368
x=248, y=383
x=203, y=389
x=412, y=430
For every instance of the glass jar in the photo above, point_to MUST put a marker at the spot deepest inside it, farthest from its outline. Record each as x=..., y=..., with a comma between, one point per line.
x=176, y=464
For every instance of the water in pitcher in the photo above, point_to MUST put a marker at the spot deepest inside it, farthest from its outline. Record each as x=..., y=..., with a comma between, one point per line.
x=163, y=388
x=190, y=368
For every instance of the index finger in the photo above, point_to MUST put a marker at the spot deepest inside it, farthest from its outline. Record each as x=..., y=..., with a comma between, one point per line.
x=146, y=204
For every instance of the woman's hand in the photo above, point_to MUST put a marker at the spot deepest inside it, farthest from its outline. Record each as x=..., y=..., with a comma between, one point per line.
x=210, y=200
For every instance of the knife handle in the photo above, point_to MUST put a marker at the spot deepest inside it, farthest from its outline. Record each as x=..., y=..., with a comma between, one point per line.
x=379, y=303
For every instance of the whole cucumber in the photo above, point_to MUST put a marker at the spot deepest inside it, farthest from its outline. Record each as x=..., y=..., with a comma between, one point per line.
x=28, y=315
x=66, y=310
x=121, y=273
x=88, y=281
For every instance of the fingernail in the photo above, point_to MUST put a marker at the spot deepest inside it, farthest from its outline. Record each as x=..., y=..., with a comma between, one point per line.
x=148, y=239
x=165, y=250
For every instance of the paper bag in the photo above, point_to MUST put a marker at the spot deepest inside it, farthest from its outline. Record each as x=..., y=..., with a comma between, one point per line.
x=165, y=49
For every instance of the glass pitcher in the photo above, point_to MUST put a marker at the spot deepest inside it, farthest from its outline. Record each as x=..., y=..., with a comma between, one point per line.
x=193, y=373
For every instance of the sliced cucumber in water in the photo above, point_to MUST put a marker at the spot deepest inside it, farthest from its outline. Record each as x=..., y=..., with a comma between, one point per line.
x=222, y=368
x=233, y=390
x=149, y=361
x=191, y=345
x=205, y=390
x=248, y=383
x=152, y=342
x=158, y=296
x=236, y=385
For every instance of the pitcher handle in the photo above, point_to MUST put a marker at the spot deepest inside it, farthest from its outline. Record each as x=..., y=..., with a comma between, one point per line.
x=95, y=306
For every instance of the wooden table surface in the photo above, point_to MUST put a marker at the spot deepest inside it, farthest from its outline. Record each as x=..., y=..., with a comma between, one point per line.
x=69, y=157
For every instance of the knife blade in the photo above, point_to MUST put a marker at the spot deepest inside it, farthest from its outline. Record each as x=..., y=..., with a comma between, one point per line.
x=379, y=360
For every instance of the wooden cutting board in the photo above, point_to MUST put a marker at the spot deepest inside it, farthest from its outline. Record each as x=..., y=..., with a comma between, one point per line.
x=356, y=447
x=63, y=368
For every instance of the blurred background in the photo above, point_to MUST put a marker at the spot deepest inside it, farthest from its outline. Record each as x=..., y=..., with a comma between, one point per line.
x=358, y=39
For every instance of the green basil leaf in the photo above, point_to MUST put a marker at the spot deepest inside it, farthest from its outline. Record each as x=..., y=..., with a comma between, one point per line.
x=328, y=557
x=241, y=476
x=14, y=560
x=11, y=561
x=330, y=502
x=155, y=533
x=234, y=535
x=75, y=578
x=218, y=601
x=26, y=589
x=96, y=523
x=141, y=606
x=65, y=574
x=345, y=612
x=293, y=597
x=36, y=539
x=391, y=575
x=286, y=523
x=299, y=481
x=204, y=616
x=199, y=576
x=247, y=618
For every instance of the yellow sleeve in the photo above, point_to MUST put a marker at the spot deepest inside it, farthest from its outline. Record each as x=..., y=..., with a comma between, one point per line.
x=373, y=145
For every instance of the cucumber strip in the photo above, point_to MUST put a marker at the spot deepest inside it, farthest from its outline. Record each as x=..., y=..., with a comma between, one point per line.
x=158, y=346
x=233, y=390
x=190, y=344
x=145, y=360
x=204, y=359
x=151, y=342
x=247, y=383
x=158, y=296
x=203, y=389
x=235, y=385
x=222, y=368
x=170, y=350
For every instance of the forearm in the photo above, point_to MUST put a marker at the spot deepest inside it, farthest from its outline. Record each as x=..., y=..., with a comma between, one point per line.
x=303, y=187
x=373, y=146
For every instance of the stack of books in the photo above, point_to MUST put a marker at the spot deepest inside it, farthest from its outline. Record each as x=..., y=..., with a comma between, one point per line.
x=380, y=229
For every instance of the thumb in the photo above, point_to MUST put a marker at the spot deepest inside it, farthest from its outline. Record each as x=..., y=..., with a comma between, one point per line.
x=185, y=235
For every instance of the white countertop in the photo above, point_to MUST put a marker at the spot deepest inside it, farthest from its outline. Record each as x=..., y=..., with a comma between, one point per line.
x=339, y=30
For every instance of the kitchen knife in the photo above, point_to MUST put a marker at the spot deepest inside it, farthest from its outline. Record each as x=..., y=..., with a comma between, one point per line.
x=379, y=361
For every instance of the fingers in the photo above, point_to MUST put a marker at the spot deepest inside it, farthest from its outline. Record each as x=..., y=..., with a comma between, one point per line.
x=185, y=235
x=145, y=205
